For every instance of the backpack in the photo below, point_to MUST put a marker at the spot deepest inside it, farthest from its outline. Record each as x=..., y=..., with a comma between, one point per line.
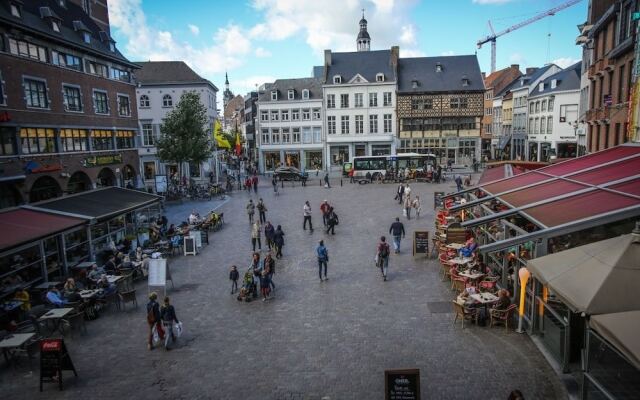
x=151, y=318
x=384, y=252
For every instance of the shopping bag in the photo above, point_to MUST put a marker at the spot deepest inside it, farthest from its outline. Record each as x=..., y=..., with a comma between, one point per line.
x=404, y=212
x=326, y=185
x=178, y=329
x=156, y=337
x=376, y=259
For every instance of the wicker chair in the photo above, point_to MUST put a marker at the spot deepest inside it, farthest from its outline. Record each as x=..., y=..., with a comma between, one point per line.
x=464, y=313
x=128, y=297
x=75, y=320
x=502, y=316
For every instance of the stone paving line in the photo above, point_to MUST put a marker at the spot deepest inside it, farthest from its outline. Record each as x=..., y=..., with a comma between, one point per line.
x=329, y=340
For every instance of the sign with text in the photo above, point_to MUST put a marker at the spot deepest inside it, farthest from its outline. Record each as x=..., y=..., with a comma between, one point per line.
x=161, y=184
x=189, y=246
x=420, y=242
x=102, y=160
x=54, y=359
x=158, y=272
x=402, y=384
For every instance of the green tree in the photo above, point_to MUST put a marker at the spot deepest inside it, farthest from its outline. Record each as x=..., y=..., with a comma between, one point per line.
x=185, y=135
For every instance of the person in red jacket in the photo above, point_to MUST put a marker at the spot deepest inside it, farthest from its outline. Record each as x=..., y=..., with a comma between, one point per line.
x=324, y=208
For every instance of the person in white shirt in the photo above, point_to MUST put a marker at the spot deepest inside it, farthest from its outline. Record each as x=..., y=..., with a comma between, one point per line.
x=307, y=216
x=193, y=218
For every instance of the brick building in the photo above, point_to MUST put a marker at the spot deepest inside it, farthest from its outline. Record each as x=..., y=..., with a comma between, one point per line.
x=610, y=37
x=68, y=116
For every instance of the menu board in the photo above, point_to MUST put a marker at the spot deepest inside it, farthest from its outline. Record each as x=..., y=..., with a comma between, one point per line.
x=189, y=246
x=197, y=237
x=158, y=272
x=420, y=242
x=402, y=384
x=438, y=200
x=54, y=359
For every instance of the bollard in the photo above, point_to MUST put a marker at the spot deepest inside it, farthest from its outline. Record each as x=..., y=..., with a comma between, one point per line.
x=320, y=182
x=340, y=182
x=282, y=184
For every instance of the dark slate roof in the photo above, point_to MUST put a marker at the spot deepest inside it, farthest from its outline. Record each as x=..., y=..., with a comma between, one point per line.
x=298, y=84
x=32, y=21
x=528, y=79
x=365, y=63
x=454, y=69
x=101, y=204
x=567, y=79
x=168, y=72
x=363, y=35
x=513, y=85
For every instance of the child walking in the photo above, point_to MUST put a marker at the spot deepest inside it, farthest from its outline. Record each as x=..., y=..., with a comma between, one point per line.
x=234, y=275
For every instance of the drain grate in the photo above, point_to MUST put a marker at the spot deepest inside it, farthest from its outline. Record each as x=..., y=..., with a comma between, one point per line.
x=440, y=307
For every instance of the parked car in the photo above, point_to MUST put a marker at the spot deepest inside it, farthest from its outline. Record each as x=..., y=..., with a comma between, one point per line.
x=290, y=174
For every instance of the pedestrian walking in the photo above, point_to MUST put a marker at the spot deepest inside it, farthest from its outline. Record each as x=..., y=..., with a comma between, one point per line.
x=247, y=184
x=262, y=209
x=251, y=210
x=407, y=190
x=307, y=216
x=323, y=258
x=265, y=288
x=438, y=173
x=254, y=183
x=154, y=319
x=400, y=193
x=332, y=221
x=169, y=318
x=234, y=275
x=326, y=181
x=417, y=206
x=351, y=172
x=407, y=206
x=459, y=183
x=278, y=241
x=382, y=257
x=256, y=269
x=397, y=231
x=324, y=209
x=269, y=232
x=274, y=183
x=270, y=267
x=255, y=236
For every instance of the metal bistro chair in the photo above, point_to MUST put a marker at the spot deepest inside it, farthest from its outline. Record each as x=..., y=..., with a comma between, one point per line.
x=502, y=316
x=128, y=297
x=464, y=313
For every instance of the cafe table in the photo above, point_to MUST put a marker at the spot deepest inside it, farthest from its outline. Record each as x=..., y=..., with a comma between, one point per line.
x=455, y=246
x=45, y=285
x=460, y=260
x=13, y=341
x=55, y=315
x=83, y=265
x=114, y=278
x=484, y=298
x=87, y=294
x=471, y=275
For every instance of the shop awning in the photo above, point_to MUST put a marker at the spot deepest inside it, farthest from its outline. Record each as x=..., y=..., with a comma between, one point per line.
x=595, y=189
x=20, y=226
x=621, y=330
x=597, y=278
x=99, y=204
x=503, y=141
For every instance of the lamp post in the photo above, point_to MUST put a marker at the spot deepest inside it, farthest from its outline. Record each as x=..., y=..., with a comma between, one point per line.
x=524, y=275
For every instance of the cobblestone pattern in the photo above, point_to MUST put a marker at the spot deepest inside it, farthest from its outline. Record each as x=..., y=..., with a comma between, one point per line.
x=329, y=340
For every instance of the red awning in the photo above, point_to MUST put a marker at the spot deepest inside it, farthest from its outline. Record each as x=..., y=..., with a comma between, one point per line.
x=610, y=172
x=631, y=187
x=599, y=158
x=540, y=192
x=514, y=182
x=23, y=226
x=492, y=174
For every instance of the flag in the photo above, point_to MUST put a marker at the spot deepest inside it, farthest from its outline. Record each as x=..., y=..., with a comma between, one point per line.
x=221, y=141
x=238, y=146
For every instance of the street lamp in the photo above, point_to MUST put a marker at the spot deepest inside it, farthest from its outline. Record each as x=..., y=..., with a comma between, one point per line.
x=524, y=275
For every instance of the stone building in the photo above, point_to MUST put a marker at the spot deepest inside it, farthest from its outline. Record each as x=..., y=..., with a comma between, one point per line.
x=68, y=118
x=440, y=107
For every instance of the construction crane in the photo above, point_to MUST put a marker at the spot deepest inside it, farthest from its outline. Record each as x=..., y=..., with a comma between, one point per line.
x=493, y=36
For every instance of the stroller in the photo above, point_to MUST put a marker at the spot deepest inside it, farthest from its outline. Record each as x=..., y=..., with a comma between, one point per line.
x=249, y=289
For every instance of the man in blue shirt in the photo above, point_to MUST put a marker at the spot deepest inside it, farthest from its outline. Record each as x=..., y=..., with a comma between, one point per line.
x=323, y=258
x=53, y=296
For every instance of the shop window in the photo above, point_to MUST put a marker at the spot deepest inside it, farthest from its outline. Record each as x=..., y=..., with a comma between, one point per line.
x=271, y=160
x=194, y=170
x=73, y=140
x=101, y=140
x=313, y=160
x=37, y=140
x=339, y=154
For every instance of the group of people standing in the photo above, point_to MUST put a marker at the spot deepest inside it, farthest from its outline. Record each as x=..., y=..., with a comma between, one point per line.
x=403, y=196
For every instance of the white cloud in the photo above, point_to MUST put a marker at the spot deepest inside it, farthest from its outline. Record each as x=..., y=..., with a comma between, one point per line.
x=564, y=62
x=194, y=29
x=408, y=36
x=228, y=51
x=491, y=1
x=262, y=53
x=411, y=53
x=448, y=53
x=247, y=84
x=517, y=58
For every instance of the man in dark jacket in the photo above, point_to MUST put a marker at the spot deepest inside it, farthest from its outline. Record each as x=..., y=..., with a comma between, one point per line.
x=397, y=231
x=332, y=221
x=400, y=193
x=278, y=241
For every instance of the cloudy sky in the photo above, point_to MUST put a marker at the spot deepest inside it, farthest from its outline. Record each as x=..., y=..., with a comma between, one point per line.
x=257, y=41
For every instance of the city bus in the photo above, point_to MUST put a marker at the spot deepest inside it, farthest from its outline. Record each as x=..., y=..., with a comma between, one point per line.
x=376, y=165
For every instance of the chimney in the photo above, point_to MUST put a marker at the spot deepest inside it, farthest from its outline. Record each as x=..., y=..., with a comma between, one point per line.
x=484, y=76
x=393, y=61
x=327, y=57
x=515, y=66
x=530, y=70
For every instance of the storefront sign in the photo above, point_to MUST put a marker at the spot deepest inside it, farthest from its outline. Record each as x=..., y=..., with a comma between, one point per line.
x=402, y=384
x=102, y=160
x=54, y=359
x=33, y=167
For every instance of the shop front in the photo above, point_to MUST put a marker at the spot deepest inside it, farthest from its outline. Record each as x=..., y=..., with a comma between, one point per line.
x=338, y=155
x=313, y=160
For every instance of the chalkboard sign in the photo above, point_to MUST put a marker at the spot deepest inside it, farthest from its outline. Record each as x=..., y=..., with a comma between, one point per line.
x=402, y=384
x=54, y=359
x=420, y=242
x=438, y=200
x=189, y=246
x=205, y=236
x=158, y=272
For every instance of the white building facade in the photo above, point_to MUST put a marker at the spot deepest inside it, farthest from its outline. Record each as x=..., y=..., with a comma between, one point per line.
x=160, y=86
x=289, y=125
x=360, y=104
x=553, y=107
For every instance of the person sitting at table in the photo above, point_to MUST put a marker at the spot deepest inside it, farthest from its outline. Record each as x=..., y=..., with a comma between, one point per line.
x=111, y=267
x=468, y=249
x=138, y=254
x=503, y=300
x=23, y=297
x=95, y=273
x=70, y=291
x=54, y=297
x=172, y=230
x=108, y=288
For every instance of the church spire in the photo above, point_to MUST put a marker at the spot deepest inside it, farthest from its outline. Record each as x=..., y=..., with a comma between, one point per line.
x=363, y=41
x=226, y=80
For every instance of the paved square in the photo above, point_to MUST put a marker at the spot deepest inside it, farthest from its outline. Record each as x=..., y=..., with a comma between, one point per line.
x=329, y=340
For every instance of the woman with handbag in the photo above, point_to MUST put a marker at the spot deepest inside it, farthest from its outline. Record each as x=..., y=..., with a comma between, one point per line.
x=168, y=316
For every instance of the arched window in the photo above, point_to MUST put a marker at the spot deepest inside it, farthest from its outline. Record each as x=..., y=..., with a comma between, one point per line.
x=167, y=101
x=144, y=101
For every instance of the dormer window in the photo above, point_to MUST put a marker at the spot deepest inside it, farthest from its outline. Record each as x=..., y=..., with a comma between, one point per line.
x=337, y=79
x=290, y=94
x=86, y=37
x=541, y=86
x=415, y=84
x=305, y=94
x=274, y=95
x=15, y=10
x=554, y=83
x=438, y=67
x=379, y=77
x=55, y=25
x=465, y=81
x=112, y=46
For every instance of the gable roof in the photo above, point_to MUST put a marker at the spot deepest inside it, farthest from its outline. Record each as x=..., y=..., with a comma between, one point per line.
x=167, y=73
x=495, y=78
x=366, y=63
x=507, y=89
x=530, y=78
x=297, y=84
x=567, y=79
x=32, y=21
x=450, y=79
